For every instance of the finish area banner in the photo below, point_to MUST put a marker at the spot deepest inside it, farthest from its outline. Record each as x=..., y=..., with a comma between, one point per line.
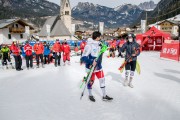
x=170, y=51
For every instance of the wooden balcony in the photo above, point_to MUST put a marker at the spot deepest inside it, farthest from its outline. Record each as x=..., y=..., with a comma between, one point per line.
x=16, y=30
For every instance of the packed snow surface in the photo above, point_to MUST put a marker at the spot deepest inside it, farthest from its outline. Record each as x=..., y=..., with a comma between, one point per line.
x=54, y=93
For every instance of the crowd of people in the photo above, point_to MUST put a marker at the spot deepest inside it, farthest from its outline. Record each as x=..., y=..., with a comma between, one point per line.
x=41, y=51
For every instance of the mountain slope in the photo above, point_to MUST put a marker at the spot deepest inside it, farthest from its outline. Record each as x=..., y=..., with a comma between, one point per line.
x=113, y=17
x=165, y=9
x=147, y=5
x=30, y=9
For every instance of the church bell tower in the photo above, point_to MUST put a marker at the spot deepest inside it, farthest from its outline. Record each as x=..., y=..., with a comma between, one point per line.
x=65, y=14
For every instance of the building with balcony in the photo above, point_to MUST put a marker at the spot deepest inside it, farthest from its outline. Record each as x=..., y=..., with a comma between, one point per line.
x=169, y=26
x=14, y=29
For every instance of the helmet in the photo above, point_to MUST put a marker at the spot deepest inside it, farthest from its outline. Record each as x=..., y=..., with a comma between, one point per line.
x=131, y=35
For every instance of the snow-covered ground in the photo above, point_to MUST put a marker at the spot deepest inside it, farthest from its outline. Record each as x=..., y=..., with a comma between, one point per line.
x=54, y=94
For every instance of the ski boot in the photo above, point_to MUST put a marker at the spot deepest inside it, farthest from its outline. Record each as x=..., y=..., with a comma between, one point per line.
x=32, y=67
x=130, y=83
x=12, y=66
x=126, y=82
x=107, y=98
x=43, y=66
x=91, y=98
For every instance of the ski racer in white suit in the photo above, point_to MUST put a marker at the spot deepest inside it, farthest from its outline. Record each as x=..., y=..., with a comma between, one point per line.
x=89, y=55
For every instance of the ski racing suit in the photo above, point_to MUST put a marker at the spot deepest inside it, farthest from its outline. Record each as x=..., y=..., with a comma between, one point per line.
x=90, y=53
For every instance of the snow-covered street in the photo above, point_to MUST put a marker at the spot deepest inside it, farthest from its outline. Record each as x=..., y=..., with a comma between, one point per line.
x=54, y=93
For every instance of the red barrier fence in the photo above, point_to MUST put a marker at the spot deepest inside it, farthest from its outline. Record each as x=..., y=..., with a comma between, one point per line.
x=171, y=51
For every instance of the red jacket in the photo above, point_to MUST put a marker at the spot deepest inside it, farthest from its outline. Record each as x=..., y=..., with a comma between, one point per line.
x=28, y=49
x=121, y=43
x=57, y=47
x=39, y=48
x=15, y=49
x=113, y=45
x=82, y=45
x=66, y=48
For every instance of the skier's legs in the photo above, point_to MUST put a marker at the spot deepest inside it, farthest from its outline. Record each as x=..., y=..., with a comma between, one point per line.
x=68, y=56
x=59, y=59
x=56, y=58
x=133, y=68
x=45, y=59
x=41, y=57
x=127, y=67
x=31, y=60
x=64, y=57
x=16, y=62
x=48, y=59
x=19, y=62
x=100, y=76
x=4, y=60
x=90, y=84
x=27, y=61
x=37, y=59
x=9, y=60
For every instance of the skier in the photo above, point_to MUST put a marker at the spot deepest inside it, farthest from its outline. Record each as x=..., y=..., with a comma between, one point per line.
x=28, y=49
x=22, y=50
x=88, y=57
x=66, y=52
x=113, y=48
x=5, y=55
x=39, y=50
x=17, y=56
x=57, y=49
x=47, y=52
x=132, y=49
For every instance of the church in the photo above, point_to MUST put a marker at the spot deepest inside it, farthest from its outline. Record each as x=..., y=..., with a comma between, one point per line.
x=59, y=27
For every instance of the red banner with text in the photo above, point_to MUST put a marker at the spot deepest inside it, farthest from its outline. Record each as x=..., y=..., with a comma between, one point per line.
x=171, y=51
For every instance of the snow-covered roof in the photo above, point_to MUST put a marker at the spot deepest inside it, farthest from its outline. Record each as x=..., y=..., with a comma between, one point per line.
x=5, y=22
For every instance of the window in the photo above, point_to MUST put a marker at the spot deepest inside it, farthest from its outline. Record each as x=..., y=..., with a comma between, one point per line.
x=66, y=12
x=9, y=36
x=67, y=5
x=21, y=36
x=16, y=25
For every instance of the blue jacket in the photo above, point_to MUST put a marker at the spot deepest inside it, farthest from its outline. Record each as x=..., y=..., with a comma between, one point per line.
x=46, y=50
x=130, y=49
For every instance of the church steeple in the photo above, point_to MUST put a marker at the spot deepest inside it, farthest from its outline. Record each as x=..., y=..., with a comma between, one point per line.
x=65, y=13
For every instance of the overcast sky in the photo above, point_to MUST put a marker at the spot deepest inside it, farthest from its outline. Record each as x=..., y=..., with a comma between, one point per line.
x=109, y=3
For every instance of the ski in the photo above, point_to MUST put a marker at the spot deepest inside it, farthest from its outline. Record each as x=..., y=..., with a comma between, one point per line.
x=121, y=68
x=103, y=49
